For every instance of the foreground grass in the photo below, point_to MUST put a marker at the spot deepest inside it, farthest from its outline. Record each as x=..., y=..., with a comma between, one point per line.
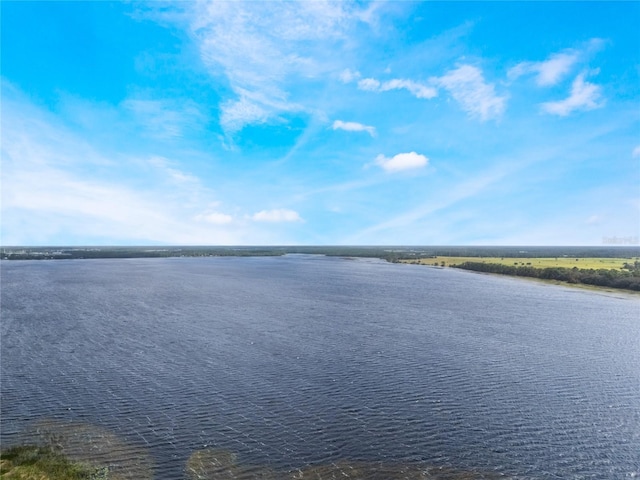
x=31, y=462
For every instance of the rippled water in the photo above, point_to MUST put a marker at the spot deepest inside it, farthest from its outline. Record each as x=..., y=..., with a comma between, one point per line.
x=287, y=362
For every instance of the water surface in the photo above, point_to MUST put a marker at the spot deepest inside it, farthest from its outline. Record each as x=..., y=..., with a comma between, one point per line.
x=287, y=362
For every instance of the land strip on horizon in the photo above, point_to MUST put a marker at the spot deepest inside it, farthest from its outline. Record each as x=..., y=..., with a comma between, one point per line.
x=422, y=254
x=587, y=263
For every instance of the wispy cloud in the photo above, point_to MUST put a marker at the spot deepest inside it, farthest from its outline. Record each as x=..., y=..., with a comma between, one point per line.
x=548, y=72
x=277, y=216
x=260, y=46
x=348, y=75
x=164, y=119
x=254, y=107
x=439, y=201
x=406, y=219
x=148, y=157
x=416, y=89
x=402, y=161
x=43, y=204
x=584, y=96
x=593, y=219
x=164, y=165
x=57, y=185
x=354, y=127
x=557, y=66
x=467, y=86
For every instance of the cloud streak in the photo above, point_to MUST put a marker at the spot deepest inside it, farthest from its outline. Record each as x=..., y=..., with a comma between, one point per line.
x=416, y=89
x=354, y=127
x=584, y=96
x=467, y=86
x=165, y=166
x=557, y=66
x=468, y=188
x=548, y=72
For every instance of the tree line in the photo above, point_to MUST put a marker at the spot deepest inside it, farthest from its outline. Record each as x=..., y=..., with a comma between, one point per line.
x=627, y=278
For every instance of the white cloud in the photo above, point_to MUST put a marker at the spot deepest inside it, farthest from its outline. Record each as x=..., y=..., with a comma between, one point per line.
x=277, y=215
x=416, y=89
x=354, y=127
x=476, y=97
x=584, y=96
x=549, y=72
x=402, y=161
x=636, y=152
x=555, y=68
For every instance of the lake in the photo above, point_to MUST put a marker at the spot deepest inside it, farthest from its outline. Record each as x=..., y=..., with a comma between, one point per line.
x=276, y=364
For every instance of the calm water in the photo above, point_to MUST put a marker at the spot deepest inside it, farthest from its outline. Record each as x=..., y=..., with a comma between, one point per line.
x=299, y=360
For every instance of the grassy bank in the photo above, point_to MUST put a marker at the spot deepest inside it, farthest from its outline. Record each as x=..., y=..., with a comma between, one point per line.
x=537, y=262
x=31, y=462
x=605, y=272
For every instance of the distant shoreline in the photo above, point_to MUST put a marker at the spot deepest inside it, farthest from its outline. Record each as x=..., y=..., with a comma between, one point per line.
x=391, y=253
x=604, y=268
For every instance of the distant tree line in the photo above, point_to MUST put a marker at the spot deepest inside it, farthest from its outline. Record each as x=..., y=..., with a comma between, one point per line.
x=388, y=252
x=627, y=278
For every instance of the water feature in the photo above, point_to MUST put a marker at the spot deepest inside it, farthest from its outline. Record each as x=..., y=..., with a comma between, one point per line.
x=286, y=363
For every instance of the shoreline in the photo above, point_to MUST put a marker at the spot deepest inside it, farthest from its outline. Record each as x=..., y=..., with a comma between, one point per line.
x=580, y=286
x=632, y=294
x=595, y=269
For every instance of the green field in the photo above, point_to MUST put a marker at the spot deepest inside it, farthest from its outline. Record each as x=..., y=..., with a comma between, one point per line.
x=538, y=262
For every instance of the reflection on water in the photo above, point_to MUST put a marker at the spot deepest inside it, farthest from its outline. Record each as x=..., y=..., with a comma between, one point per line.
x=380, y=471
x=213, y=464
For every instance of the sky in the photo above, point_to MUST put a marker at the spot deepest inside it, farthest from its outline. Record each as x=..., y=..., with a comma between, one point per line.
x=320, y=123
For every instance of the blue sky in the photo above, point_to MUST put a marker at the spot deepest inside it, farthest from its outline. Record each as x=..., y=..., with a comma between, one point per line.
x=255, y=123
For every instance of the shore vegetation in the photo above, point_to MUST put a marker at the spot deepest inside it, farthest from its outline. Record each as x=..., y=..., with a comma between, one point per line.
x=33, y=462
x=609, y=272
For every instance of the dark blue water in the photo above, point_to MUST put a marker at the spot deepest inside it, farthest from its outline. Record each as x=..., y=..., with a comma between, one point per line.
x=303, y=360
